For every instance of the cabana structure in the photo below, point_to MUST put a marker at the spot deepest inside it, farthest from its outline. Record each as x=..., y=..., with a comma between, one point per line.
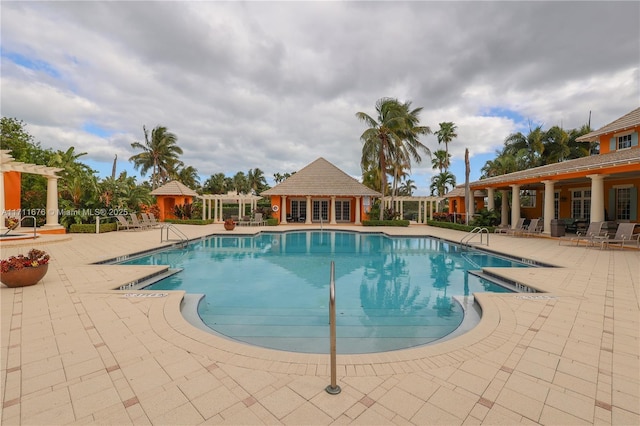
x=232, y=197
x=172, y=194
x=321, y=193
x=10, y=189
x=602, y=187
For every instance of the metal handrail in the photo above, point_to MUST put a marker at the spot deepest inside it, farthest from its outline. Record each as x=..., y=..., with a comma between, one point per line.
x=169, y=227
x=475, y=231
x=333, y=388
x=35, y=225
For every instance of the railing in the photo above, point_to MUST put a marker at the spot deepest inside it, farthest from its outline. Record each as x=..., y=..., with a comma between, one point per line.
x=333, y=388
x=35, y=225
x=169, y=227
x=473, y=233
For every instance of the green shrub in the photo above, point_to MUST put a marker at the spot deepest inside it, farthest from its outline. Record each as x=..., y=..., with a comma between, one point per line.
x=90, y=228
x=272, y=222
x=456, y=226
x=385, y=223
x=190, y=221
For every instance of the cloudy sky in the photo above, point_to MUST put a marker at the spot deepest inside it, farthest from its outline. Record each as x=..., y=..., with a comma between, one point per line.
x=275, y=85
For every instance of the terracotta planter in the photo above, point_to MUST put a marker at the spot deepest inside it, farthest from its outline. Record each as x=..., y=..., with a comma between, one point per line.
x=24, y=277
x=229, y=226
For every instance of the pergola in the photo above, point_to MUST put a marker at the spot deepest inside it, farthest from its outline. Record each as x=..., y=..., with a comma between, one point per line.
x=215, y=212
x=425, y=206
x=9, y=165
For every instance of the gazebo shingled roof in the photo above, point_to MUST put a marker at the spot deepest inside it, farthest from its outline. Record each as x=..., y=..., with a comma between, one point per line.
x=321, y=178
x=174, y=188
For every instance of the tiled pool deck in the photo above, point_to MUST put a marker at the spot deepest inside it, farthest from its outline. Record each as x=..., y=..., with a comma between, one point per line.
x=76, y=352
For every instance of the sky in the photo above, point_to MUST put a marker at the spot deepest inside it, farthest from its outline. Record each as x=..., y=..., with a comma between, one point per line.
x=276, y=85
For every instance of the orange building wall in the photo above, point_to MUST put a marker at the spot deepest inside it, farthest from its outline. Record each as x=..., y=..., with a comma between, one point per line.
x=605, y=140
x=12, y=188
x=166, y=203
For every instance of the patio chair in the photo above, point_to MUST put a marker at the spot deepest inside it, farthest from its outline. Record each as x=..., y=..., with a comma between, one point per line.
x=153, y=219
x=136, y=223
x=245, y=221
x=146, y=221
x=593, y=232
x=530, y=229
x=257, y=220
x=122, y=223
x=535, y=227
x=624, y=234
x=519, y=227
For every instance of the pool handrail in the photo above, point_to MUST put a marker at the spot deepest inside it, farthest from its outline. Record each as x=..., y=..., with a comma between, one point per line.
x=333, y=388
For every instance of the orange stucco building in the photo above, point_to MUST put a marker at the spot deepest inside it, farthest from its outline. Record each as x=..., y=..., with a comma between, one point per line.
x=321, y=193
x=601, y=187
x=170, y=195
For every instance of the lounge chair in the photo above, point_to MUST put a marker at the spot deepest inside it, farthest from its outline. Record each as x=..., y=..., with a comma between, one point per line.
x=136, y=223
x=518, y=228
x=245, y=221
x=123, y=223
x=534, y=228
x=147, y=221
x=593, y=232
x=624, y=234
x=257, y=220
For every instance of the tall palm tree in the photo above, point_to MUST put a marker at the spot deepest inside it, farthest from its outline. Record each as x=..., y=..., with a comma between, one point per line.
x=189, y=176
x=215, y=184
x=407, y=188
x=159, y=153
x=446, y=134
x=527, y=149
x=441, y=160
x=391, y=137
x=240, y=183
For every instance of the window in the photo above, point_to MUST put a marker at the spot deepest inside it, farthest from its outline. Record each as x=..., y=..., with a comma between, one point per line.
x=623, y=203
x=581, y=204
x=343, y=211
x=298, y=209
x=528, y=198
x=624, y=141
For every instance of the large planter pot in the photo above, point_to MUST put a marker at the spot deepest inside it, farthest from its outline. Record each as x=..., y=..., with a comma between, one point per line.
x=24, y=277
x=229, y=226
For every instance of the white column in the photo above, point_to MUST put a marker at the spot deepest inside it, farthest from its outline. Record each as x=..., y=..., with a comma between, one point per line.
x=52, y=203
x=515, y=204
x=283, y=209
x=357, y=218
x=2, y=227
x=215, y=210
x=491, y=199
x=203, y=208
x=504, y=212
x=597, y=197
x=332, y=210
x=548, y=205
x=309, y=212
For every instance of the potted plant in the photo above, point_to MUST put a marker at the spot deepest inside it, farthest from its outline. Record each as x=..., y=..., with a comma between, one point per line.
x=21, y=270
x=229, y=224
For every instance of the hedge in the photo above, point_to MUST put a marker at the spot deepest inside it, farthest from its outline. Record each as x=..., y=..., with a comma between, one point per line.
x=90, y=228
x=385, y=223
x=190, y=221
x=456, y=226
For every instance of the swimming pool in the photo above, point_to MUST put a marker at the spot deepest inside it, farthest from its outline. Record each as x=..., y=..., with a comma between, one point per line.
x=271, y=289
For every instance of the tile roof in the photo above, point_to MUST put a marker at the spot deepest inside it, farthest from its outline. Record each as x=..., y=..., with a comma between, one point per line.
x=174, y=188
x=625, y=122
x=584, y=164
x=321, y=178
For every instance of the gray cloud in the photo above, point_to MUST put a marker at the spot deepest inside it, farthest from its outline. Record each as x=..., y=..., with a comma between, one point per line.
x=275, y=85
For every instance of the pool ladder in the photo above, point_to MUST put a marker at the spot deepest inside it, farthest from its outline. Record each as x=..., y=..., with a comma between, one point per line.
x=169, y=227
x=473, y=233
x=35, y=225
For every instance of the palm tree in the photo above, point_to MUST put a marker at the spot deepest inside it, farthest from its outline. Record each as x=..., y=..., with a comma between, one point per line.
x=527, y=149
x=159, y=153
x=503, y=164
x=215, y=184
x=440, y=183
x=441, y=160
x=189, y=176
x=407, y=188
x=446, y=134
x=240, y=183
x=556, y=146
x=391, y=137
x=256, y=180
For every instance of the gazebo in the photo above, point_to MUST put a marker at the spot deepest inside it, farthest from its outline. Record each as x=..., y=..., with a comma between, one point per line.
x=10, y=176
x=172, y=194
x=232, y=197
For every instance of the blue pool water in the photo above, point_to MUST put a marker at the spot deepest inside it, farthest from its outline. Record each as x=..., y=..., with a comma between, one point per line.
x=272, y=289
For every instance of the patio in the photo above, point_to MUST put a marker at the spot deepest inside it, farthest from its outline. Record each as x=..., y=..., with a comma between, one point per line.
x=75, y=351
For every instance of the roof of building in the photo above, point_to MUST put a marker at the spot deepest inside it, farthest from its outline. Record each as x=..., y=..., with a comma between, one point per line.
x=625, y=122
x=174, y=188
x=584, y=164
x=321, y=178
